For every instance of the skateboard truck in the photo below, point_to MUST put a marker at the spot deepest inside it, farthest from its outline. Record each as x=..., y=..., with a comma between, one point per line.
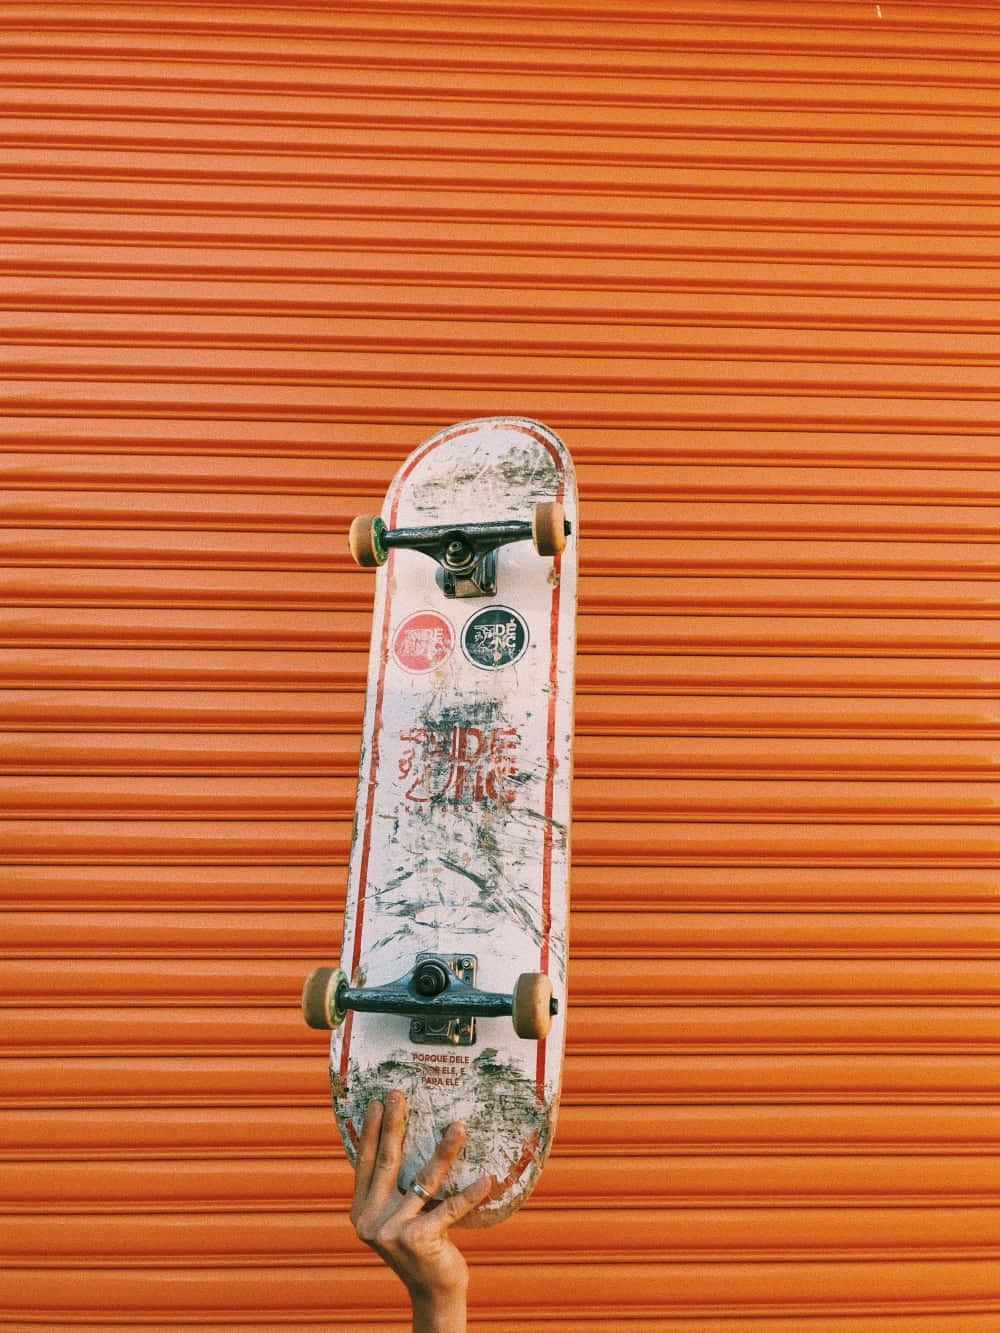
x=431, y=977
x=438, y=995
x=465, y=552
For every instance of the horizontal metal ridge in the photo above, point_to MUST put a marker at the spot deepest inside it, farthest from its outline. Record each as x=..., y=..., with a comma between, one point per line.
x=961, y=676
x=641, y=16
x=597, y=887
x=247, y=631
x=895, y=60
x=511, y=337
x=615, y=846
x=377, y=229
x=762, y=796
x=714, y=1235
x=109, y=977
x=967, y=1026
x=590, y=1128
x=346, y=137
x=572, y=407
x=779, y=273
x=272, y=592
x=76, y=1095
x=904, y=293
x=682, y=512
x=669, y=119
x=236, y=713
x=804, y=376
x=875, y=766
x=128, y=668
x=472, y=46
x=678, y=92
x=258, y=712
x=758, y=930
x=768, y=1287
x=764, y=634
x=769, y=180
x=760, y=301
x=741, y=714
x=586, y=1131
x=751, y=557
x=75, y=769
x=291, y=756
x=634, y=26
x=333, y=443
x=792, y=213
x=694, y=1178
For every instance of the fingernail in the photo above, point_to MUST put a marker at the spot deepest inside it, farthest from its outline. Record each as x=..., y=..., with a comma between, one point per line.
x=455, y=1132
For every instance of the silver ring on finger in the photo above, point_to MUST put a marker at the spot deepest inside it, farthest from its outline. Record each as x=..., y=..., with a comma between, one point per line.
x=421, y=1193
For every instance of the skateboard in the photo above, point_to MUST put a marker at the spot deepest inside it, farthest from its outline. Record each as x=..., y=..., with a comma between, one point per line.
x=452, y=978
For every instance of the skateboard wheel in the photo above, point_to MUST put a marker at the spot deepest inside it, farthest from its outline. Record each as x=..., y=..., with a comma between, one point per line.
x=532, y=1008
x=548, y=528
x=365, y=538
x=319, y=997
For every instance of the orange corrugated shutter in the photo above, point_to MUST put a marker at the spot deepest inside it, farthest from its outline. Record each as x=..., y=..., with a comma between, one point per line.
x=739, y=256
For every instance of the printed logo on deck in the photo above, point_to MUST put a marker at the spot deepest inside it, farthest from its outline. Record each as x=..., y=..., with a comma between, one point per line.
x=423, y=642
x=494, y=638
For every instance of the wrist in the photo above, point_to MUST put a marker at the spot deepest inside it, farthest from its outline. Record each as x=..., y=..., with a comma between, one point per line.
x=439, y=1311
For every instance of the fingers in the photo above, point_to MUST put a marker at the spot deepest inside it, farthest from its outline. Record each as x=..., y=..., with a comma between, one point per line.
x=435, y=1173
x=440, y=1216
x=389, y=1151
x=367, y=1149
x=377, y=1170
x=461, y=1204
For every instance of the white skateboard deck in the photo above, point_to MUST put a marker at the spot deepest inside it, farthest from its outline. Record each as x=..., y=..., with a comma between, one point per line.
x=461, y=842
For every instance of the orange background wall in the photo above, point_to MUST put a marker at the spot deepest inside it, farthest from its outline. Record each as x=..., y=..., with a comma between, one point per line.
x=739, y=255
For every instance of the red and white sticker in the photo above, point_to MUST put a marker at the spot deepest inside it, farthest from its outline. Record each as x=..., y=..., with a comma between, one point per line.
x=423, y=642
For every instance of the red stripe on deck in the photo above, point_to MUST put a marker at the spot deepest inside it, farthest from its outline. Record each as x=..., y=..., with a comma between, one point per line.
x=540, y=1060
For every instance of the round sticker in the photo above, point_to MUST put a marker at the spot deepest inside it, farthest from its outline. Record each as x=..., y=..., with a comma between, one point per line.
x=494, y=638
x=423, y=641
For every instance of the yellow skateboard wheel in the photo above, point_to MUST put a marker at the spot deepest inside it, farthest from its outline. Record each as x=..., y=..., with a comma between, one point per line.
x=319, y=997
x=532, y=1009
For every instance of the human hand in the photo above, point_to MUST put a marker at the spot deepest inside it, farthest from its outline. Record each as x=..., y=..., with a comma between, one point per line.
x=410, y=1235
